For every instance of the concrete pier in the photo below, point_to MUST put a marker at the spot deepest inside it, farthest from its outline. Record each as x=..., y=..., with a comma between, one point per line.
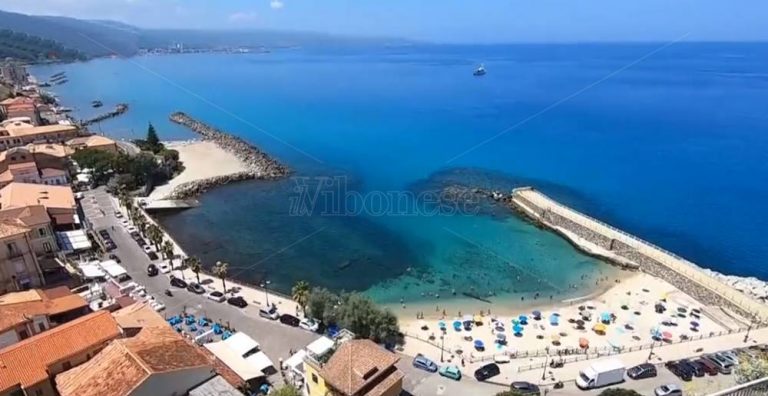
x=600, y=239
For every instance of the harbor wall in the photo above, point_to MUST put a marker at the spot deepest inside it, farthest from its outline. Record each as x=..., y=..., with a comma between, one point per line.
x=610, y=243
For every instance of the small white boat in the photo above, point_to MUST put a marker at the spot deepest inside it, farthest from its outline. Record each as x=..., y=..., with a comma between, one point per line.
x=480, y=71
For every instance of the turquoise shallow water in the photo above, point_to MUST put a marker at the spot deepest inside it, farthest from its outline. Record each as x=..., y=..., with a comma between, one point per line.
x=672, y=149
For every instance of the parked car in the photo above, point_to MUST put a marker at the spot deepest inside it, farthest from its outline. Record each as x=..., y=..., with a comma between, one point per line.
x=216, y=296
x=694, y=368
x=730, y=356
x=110, y=245
x=269, y=313
x=114, y=257
x=131, y=229
x=724, y=366
x=309, y=324
x=525, y=388
x=237, y=301
x=669, y=390
x=118, y=214
x=490, y=370
x=152, y=270
x=164, y=268
x=421, y=362
x=450, y=371
x=289, y=320
x=147, y=248
x=152, y=256
x=195, y=288
x=178, y=282
x=642, y=371
x=709, y=367
x=679, y=370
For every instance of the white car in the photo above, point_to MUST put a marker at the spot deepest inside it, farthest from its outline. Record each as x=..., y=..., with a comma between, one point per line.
x=309, y=324
x=164, y=268
x=147, y=248
x=131, y=229
x=125, y=222
x=118, y=214
x=157, y=306
x=216, y=296
x=669, y=390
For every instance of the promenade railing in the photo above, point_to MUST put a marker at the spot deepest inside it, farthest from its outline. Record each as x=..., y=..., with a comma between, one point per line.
x=757, y=387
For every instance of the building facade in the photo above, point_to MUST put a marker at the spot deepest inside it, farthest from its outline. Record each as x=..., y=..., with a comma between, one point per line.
x=19, y=267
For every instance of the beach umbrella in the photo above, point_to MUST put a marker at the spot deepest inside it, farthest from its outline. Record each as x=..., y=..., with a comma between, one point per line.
x=441, y=325
x=479, y=345
x=501, y=337
x=517, y=329
x=478, y=320
x=554, y=319
x=666, y=335
x=605, y=316
x=555, y=339
x=458, y=349
x=536, y=315
x=583, y=343
x=499, y=326
x=580, y=322
x=694, y=323
x=523, y=319
x=457, y=325
x=599, y=328
x=515, y=321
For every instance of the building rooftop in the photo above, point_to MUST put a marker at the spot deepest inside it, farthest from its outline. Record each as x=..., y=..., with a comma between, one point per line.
x=138, y=315
x=52, y=149
x=358, y=364
x=9, y=228
x=126, y=363
x=91, y=141
x=26, y=363
x=16, y=195
x=18, y=308
x=28, y=216
x=19, y=129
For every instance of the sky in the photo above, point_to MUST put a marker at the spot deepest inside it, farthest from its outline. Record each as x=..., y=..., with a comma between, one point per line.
x=446, y=21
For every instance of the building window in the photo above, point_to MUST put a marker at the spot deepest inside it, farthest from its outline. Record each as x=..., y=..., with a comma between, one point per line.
x=314, y=378
x=66, y=366
x=41, y=326
x=23, y=334
x=47, y=247
x=13, y=250
x=41, y=231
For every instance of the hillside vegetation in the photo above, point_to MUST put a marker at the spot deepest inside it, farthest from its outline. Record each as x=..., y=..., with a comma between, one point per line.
x=34, y=49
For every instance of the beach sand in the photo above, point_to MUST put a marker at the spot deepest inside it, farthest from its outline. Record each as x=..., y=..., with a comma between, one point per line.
x=201, y=160
x=638, y=294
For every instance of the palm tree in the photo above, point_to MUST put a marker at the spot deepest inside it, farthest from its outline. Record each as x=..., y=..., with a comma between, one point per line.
x=141, y=223
x=167, y=250
x=155, y=235
x=194, y=264
x=300, y=294
x=220, y=270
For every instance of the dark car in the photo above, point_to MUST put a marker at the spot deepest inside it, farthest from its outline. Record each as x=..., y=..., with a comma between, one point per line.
x=421, y=362
x=525, y=388
x=104, y=234
x=645, y=370
x=679, y=370
x=290, y=320
x=114, y=257
x=178, y=282
x=709, y=367
x=152, y=270
x=490, y=370
x=110, y=245
x=237, y=301
x=152, y=255
x=195, y=288
x=693, y=367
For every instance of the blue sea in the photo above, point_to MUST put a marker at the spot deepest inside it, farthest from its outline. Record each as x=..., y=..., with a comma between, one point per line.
x=667, y=142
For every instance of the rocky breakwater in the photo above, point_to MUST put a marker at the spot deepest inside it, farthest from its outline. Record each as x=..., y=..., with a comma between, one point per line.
x=259, y=164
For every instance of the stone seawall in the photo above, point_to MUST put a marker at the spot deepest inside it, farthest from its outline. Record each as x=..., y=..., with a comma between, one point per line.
x=259, y=165
x=602, y=240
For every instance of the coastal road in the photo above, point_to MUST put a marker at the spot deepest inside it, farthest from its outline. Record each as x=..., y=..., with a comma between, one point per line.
x=128, y=147
x=276, y=340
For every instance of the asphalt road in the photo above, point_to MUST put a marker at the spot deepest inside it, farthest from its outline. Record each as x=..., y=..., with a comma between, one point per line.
x=276, y=339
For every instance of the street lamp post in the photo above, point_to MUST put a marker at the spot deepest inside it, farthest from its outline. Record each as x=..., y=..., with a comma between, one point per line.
x=544, y=370
x=650, y=354
x=264, y=286
x=746, y=336
x=442, y=346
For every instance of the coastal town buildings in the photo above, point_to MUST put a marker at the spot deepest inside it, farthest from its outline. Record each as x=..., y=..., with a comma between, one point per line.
x=21, y=108
x=14, y=133
x=27, y=313
x=30, y=366
x=59, y=202
x=157, y=361
x=19, y=267
x=356, y=368
x=19, y=164
x=96, y=142
x=13, y=73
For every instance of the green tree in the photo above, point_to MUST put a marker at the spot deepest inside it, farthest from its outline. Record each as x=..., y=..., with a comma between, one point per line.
x=220, y=270
x=194, y=264
x=321, y=305
x=286, y=390
x=300, y=294
x=167, y=250
x=619, y=392
x=153, y=142
x=155, y=235
x=751, y=368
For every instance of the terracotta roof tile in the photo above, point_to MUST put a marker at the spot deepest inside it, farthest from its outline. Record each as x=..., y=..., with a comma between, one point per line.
x=17, y=195
x=26, y=363
x=33, y=215
x=10, y=228
x=126, y=363
x=57, y=301
x=357, y=364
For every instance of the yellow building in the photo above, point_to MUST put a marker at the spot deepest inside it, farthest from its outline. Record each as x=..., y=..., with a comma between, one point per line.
x=357, y=368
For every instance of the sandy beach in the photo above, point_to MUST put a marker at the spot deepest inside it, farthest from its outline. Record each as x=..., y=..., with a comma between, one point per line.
x=202, y=160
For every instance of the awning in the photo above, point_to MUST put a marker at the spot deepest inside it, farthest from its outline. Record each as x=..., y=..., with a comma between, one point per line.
x=112, y=268
x=243, y=368
x=73, y=240
x=260, y=361
x=241, y=343
x=320, y=346
x=296, y=361
x=92, y=271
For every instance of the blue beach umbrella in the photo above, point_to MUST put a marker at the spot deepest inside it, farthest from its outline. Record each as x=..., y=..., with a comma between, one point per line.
x=517, y=329
x=441, y=325
x=523, y=320
x=554, y=319
x=515, y=321
x=479, y=345
x=605, y=317
x=457, y=325
x=536, y=315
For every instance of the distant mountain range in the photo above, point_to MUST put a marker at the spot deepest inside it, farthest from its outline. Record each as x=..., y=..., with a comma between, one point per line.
x=95, y=38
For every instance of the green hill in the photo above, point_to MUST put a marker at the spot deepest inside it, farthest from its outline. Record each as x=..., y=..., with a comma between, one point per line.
x=34, y=49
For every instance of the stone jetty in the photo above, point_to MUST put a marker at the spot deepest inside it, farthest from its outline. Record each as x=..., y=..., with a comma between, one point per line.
x=119, y=109
x=259, y=165
x=602, y=240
